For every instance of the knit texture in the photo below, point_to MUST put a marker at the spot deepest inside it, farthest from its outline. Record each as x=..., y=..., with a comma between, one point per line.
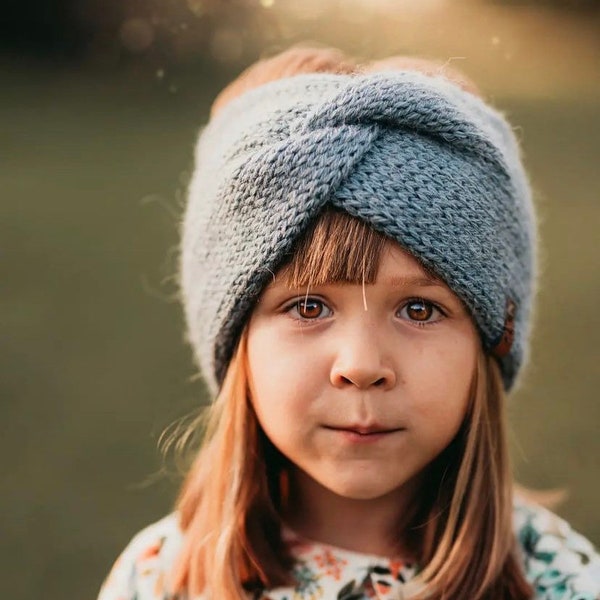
x=429, y=165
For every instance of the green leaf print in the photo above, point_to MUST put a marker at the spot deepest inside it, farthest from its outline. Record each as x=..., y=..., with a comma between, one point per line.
x=308, y=587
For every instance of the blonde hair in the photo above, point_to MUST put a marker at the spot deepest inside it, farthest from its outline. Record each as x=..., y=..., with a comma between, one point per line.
x=461, y=530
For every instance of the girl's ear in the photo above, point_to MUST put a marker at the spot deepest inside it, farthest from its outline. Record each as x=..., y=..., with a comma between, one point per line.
x=298, y=59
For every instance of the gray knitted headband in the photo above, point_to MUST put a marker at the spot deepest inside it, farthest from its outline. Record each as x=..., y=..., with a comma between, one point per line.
x=419, y=159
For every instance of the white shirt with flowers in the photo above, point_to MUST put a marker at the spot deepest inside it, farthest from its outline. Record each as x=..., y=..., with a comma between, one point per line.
x=558, y=562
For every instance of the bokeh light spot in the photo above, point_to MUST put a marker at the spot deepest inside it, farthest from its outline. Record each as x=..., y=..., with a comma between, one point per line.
x=196, y=7
x=136, y=34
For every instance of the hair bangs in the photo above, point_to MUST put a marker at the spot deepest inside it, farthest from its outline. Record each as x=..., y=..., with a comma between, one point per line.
x=338, y=248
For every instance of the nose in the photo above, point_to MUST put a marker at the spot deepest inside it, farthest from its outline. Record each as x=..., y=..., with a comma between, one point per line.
x=361, y=361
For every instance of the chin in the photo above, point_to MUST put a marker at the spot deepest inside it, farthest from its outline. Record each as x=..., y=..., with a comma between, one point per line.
x=360, y=490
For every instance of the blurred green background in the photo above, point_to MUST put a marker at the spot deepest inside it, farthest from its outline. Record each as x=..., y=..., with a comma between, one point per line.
x=100, y=106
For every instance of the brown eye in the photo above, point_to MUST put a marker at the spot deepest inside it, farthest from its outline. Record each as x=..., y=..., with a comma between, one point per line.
x=420, y=312
x=309, y=309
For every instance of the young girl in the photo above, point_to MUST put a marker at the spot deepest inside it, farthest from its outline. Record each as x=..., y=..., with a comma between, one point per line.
x=357, y=272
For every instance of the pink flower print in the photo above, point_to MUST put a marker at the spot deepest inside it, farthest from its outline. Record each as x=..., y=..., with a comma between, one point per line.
x=149, y=555
x=395, y=568
x=330, y=564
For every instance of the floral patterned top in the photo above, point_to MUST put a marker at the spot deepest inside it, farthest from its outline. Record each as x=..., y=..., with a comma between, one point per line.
x=558, y=562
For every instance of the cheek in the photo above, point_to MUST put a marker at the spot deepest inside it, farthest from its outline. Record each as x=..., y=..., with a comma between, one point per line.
x=440, y=386
x=282, y=379
x=278, y=362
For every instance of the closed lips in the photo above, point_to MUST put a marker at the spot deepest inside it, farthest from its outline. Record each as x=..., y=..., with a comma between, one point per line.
x=364, y=430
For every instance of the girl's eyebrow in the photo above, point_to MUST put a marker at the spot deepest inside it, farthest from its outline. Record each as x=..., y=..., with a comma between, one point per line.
x=416, y=281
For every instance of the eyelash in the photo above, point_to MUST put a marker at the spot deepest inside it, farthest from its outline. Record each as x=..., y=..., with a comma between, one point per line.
x=309, y=299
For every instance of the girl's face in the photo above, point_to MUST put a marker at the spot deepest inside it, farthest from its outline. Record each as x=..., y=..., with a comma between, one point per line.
x=362, y=387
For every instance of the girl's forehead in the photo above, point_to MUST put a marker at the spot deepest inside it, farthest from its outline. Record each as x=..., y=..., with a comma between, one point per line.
x=395, y=259
x=395, y=267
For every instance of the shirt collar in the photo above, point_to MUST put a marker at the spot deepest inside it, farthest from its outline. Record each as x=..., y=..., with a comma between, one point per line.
x=325, y=571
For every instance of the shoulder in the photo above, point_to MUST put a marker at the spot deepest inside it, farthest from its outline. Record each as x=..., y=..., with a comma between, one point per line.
x=559, y=562
x=140, y=571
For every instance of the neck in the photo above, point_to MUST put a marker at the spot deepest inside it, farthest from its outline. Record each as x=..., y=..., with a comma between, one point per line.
x=370, y=526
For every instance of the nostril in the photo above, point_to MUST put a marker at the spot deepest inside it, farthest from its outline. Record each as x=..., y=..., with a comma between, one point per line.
x=348, y=381
x=362, y=381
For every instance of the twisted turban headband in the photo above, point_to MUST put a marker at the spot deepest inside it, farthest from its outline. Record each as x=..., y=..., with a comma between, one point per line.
x=419, y=159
